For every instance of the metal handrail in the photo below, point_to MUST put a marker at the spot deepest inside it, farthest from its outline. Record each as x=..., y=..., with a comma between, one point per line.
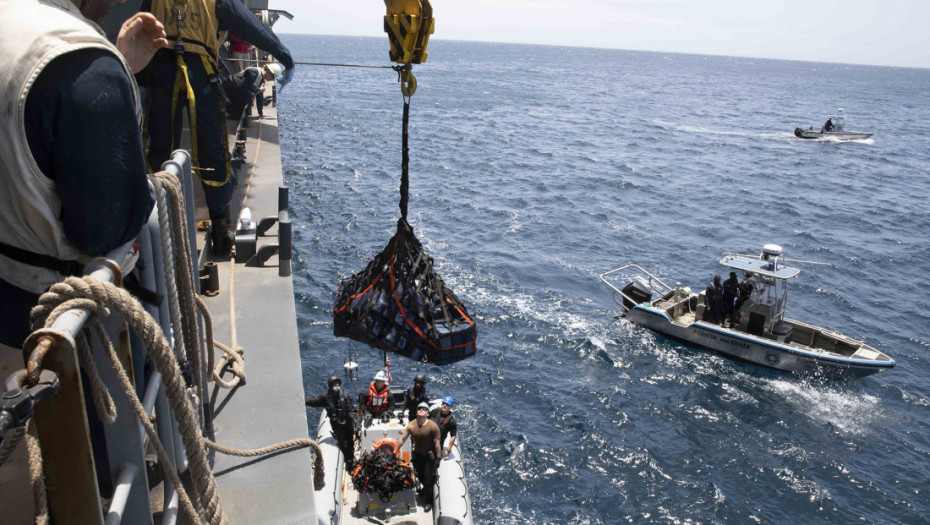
x=641, y=269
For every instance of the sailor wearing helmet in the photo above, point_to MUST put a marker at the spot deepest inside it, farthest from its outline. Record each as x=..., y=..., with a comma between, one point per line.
x=447, y=426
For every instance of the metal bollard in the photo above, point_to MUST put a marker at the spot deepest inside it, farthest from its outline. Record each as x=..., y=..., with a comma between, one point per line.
x=284, y=243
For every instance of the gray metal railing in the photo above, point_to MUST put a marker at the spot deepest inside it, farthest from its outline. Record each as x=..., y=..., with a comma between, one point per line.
x=652, y=282
x=62, y=423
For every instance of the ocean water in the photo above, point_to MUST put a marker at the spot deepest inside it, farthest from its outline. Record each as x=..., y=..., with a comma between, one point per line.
x=533, y=170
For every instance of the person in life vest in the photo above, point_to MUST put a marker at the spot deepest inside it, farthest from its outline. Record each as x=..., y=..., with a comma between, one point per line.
x=425, y=436
x=245, y=85
x=415, y=395
x=445, y=419
x=378, y=400
x=68, y=196
x=187, y=75
x=341, y=411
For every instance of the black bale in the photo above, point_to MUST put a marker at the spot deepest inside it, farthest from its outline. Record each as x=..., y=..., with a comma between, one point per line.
x=398, y=303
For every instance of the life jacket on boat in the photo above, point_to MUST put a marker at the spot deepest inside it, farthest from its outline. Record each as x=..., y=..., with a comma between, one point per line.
x=383, y=472
x=377, y=402
x=34, y=252
x=386, y=444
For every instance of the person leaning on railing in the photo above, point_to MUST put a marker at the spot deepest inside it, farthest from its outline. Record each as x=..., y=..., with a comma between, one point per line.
x=71, y=161
x=190, y=68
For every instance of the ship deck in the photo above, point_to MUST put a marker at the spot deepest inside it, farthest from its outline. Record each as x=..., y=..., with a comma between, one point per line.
x=255, y=309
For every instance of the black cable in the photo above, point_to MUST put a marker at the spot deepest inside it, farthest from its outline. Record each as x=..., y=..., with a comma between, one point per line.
x=305, y=63
x=405, y=161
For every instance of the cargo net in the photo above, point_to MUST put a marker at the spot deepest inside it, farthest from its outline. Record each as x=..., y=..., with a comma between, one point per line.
x=399, y=304
x=382, y=472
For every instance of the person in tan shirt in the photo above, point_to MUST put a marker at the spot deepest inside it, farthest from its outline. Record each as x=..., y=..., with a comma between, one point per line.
x=425, y=436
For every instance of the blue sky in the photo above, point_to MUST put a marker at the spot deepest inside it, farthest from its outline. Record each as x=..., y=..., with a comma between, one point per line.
x=877, y=32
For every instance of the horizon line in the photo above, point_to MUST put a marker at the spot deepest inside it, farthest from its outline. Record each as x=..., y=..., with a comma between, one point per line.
x=635, y=50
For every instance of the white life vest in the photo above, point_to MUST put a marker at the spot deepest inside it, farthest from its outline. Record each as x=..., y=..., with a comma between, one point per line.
x=32, y=34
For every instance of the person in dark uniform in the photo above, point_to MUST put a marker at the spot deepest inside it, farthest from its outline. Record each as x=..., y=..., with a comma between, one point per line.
x=445, y=419
x=241, y=87
x=713, y=301
x=745, y=292
x=415, y=395
x=187, y=75
x=828, y=125
x=730, y=293
x=340, y=410
x=67, y=196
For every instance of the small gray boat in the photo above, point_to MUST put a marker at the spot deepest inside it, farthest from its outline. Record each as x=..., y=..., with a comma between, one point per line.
x=834, y=128
x=762, y=335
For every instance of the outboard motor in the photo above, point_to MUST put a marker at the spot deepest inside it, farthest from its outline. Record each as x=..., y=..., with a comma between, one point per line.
x=638, y=291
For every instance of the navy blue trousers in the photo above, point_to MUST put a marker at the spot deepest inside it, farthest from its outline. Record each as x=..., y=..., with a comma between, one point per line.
x=165, y=129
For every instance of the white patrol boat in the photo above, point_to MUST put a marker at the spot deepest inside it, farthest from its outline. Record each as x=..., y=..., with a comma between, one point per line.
x=762, y=336
x=834, y=128
x=338, y=501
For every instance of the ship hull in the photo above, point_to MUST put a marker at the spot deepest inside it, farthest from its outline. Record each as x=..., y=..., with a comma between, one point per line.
x=755, y=350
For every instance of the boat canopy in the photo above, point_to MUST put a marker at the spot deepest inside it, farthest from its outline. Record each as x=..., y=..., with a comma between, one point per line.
x=759, y=266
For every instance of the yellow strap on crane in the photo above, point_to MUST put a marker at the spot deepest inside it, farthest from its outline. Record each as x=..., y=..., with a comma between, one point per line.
x=408, y=24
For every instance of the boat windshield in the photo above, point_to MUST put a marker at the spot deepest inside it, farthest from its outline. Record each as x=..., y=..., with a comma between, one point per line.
x=773, y=293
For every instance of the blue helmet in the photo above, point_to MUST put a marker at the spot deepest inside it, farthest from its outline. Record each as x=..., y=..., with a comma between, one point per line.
x=449, y=401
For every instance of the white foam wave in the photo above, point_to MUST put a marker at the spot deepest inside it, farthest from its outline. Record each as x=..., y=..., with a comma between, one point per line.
x=849, y=412
x=669, y=126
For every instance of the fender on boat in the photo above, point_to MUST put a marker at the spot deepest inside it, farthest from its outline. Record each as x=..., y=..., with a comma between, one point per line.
x=328, y=499
x=451, y=504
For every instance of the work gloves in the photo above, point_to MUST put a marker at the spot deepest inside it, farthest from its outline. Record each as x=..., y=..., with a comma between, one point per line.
x=284, y=80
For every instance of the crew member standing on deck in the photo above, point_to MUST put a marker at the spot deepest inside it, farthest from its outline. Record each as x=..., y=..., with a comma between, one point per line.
x=730, y=293
x=339, y=409
x=425, y=435
x=713, y=301
x=186, y=75
x=445, y=419
x=71, y=162
x=415, y=395
x=746, y=288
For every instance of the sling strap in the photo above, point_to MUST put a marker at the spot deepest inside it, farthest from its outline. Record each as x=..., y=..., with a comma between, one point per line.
x=43, y=261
